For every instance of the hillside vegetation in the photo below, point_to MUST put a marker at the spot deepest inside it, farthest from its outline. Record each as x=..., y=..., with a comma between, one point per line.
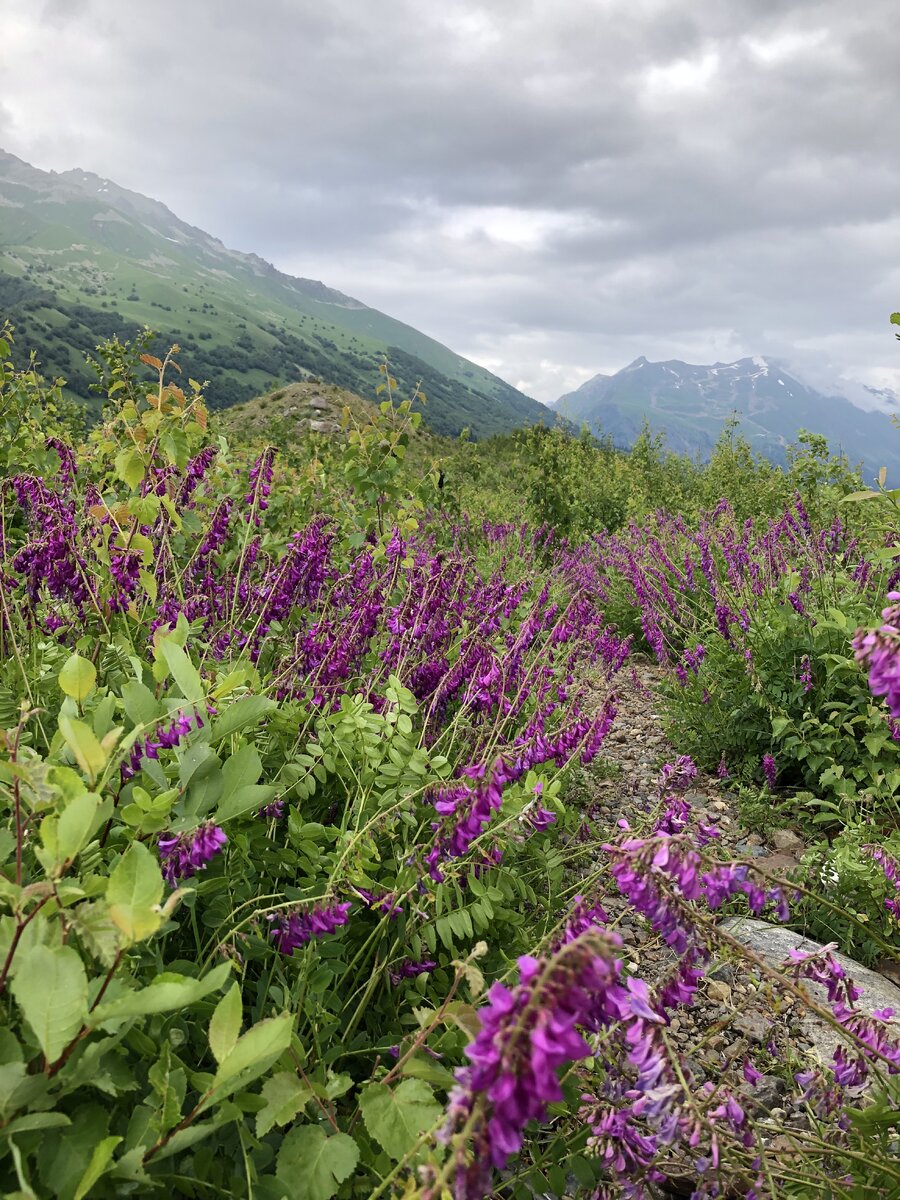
x=304, y=892
x=82, y=259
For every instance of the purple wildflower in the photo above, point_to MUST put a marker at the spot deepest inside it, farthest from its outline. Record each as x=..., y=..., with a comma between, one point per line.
x=677, y=776
x=891, y=869
x=770, y=770
x=880, y=652
x=409, y=969
x=806, y=675
x=182, y=855
x=527, y=1034
x=294, y=928
x=260, y=483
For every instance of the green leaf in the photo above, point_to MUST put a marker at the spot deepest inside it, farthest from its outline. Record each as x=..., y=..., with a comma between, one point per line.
x=243, y=768
x=141, y=705
x=32, y=1121
x=100, y=1160
x=225, y=1024
x=77, y=677
x=420, y=1066
x=167, y=992
x=855, y=497
x=254, y=1052
x=169, y=1085
x=312, y=1165
x=285, y=1095
x=245, y=799
x=82, y=741
x=64, y=836
x=182, y=671
x=134, y=892
x=51, y=989
x=129, y=466
x=398, y=1118
x=97, y=931
x=149, y=584
x=242, y=714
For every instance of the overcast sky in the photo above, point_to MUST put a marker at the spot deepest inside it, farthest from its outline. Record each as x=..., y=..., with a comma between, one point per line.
x=549, y=187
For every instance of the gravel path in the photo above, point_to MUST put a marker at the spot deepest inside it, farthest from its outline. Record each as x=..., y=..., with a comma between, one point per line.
x=734, y=1016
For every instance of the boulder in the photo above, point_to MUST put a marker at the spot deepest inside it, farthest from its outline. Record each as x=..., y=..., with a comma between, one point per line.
x=786, y=839
x=773, y=944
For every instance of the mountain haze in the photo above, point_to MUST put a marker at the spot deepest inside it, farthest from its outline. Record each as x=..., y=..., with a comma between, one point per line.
x=82, y=258
x=691, y=404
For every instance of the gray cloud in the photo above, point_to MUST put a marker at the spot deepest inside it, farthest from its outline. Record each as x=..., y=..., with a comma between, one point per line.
x=552, y=188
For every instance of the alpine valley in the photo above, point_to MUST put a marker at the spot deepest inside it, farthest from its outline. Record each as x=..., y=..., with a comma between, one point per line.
x=691, y=406
x=82, y=259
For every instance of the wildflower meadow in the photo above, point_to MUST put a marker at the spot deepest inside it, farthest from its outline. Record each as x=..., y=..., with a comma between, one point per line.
x=299, y=895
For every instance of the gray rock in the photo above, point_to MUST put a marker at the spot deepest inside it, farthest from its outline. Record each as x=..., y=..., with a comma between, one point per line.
x=773, y=944
x=324, y=426
x=785, y=839
x=767, y=1093
x=753, y=1025
x=318, y=403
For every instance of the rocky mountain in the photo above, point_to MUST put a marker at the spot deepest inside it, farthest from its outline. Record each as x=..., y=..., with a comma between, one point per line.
x=691, y=404
x=82, y=259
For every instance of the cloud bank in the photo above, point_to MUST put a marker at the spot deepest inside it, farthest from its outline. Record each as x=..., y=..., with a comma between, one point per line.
x=552, y=188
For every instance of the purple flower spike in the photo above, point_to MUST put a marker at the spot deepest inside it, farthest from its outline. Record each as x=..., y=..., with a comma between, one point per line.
x=295, y=928
x=770, y=770
x=527, y=1034
x=880, y=652
x=182, y=855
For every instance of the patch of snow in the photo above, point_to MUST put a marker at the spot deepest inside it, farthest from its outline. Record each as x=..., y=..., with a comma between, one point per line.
x=781, y=381
x=762, y=364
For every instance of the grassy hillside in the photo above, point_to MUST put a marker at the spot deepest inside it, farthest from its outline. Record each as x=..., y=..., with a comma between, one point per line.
x=82, y=259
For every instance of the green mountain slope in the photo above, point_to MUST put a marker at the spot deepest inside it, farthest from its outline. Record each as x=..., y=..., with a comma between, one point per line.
x=691, y=404
x=81, y=259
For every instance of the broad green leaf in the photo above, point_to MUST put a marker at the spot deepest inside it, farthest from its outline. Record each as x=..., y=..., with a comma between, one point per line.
x=854, y=497
x=242, y=714
x=82, y=741
x=77, y=677
x=149, y=584
x=51, y=989
x=97, y=931
x=245, y=799
x=76, y=824
x=285, y=1095
x=134, y=892
x=141, y=705
x=185, y=1138
x=32, y=1121
x=195, y=761
x=312, y=1165
x=64, y=836
x=398, y=1118
x=12, y=1075
x=169, y=1085
x=100, y=1160
x=225, y=1025
x=420, y=1066
x=255, y=1051
x=241, y=769
x=182, y=671
x=129, y=466
x=167, y=992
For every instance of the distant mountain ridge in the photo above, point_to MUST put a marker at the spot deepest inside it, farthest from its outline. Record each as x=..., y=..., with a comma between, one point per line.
x=690, y=404
x=82, y=258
